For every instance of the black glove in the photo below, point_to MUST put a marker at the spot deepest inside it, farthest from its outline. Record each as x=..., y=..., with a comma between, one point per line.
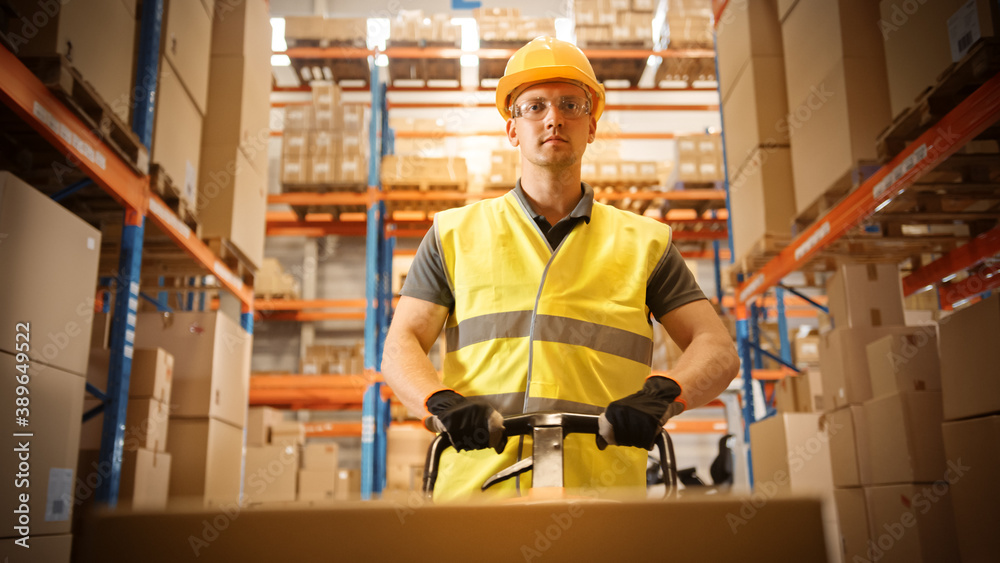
x=470, y=425
x=636, y=420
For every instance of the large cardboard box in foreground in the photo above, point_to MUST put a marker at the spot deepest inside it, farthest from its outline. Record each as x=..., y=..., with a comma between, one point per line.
x=43, y=549
x=79, y=31
x=50, y=452
x=211, y=362
x=970, y=354
x=41, y=242
x=970, y=447
x=206, y=459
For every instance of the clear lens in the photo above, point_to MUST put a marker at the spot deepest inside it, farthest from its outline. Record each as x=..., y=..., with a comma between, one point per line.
x=571, y=107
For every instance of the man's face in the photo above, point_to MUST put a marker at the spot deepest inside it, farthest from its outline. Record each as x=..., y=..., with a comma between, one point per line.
x=555, y=140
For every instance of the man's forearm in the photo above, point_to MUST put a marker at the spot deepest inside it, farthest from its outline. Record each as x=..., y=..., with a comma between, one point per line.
x=705, y=369
x=409, y=372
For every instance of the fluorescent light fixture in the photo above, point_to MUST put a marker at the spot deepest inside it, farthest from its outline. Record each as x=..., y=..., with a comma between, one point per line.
x=470, y=33
x=278, y=35
x=882, y=205
x=564, y=29
x=469, y=60
x=949, y=278
x=960, y=303
x=378, y=32
x=382, y=60
x=280, y=60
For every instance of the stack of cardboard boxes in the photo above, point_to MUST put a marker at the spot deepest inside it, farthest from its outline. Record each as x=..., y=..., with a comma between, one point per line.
x=689, y=23
x=45, y=332
x=232, y=188
x=699, y=158
x=333, y=359
x=754, y=108
x=319, y=474
x=182, y=94
x=325, y=32
x=507, y=24
x=208, y=401
x=838, y=101
x=802, y=392
x=604, y=22
x=971, y=393
x=272, y=456
x=406, y=452
x=412, y=26
x=145, y=471
x=272, y=281
x=598, y=172
x=504, y=169
x=882, y=391
x=325, y=142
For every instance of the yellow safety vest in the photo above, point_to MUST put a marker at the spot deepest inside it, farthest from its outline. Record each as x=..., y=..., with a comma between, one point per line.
x=571, y=327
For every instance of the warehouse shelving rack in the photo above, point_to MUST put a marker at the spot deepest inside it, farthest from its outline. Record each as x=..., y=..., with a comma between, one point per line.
x=30, y=100
x=970, y=118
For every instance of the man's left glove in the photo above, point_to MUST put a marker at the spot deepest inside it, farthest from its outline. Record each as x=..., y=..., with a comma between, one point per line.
x=470, y=425
x=636, y=420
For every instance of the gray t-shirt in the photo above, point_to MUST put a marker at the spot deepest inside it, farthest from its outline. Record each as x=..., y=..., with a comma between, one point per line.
x=670, y=286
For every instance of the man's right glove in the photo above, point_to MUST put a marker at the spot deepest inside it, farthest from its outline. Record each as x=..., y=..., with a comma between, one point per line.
x=636, y=420
x=470, y=425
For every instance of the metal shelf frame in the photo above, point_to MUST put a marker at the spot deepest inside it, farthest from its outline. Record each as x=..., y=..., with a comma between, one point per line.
x=27, y=97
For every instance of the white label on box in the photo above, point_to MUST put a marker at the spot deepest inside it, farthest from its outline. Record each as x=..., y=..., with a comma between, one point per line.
x=293, y=167
x=349, y=166
x=706, y=146
x=326, y=99
x=91, y=243
x=688, y=167
x=70, y=137
x=296, y=140
x=167, y=216
x=223, y=272
x=59, y=497
x=321, y=168
x=190, y=182
x=963, y=30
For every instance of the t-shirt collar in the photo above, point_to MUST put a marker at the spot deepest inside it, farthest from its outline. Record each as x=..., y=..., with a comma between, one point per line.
x=583, y=208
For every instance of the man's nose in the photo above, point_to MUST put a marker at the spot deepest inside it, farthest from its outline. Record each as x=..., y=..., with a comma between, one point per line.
x=553, y=117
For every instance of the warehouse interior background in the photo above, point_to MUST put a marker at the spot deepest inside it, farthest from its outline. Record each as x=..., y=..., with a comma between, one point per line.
x=236, y=189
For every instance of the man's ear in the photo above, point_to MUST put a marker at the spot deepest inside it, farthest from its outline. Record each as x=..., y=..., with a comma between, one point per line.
x=593, y=131
x=512, y=133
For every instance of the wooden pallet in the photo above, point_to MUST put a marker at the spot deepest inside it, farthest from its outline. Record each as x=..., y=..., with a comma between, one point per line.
x=492, y=69
x=359, y=42
x=685, y=70
x=173, y=196
x=619, y=69
x=837, y=191
x=424, y=185
x=425, y=69
x=631, y=44
x=233, y=257
x=960, y=79
x=59, y=76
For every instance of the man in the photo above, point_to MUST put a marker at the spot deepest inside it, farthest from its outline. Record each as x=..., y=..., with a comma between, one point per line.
x=546, y=299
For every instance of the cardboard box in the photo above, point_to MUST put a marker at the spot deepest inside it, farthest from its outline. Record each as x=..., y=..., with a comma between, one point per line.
x=43, y=549
x=320, y=456
x=348, y=485
x=784, y=7
x=353, y=170
x=755, y=112
x=145, y=479
x=323, y=169
x=324, y=144
x=58, y=307
x=969, y=446
x=186, y=41
x=852, y=515
x=177, y=133
x=907, y=362
x=325, y=118
x=206, y=460
x=242, y=29
x=904, y=438
x=299, y=118
x=746, y=30
x=271, y=473
x=844, y=363
x=239, y=108
x=762, y=198
x=211, y=362
x=296, y=143
x=926, y=34
x=353, y=117
x=304, y=27
x=969, y=356
x=78, y=30
x=294, y=169
x=806, y=350
x=849, y=451
x=288, y=432
x=808, y=387
x=233, y=200
x=260, y=420
x=46, y=490
x=790, y=453
x=152, y=374
x=865, y=295
x=912, y=523
x=315, y=485
x=146, y=423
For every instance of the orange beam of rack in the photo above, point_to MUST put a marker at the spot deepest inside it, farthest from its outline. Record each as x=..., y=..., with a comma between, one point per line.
x=302, y=304
x=965, y=122
x=772, y=374
x=790, y=301
x=962, y=258
x=332, y=429
x=315, y=316
x=326, y=53
x=696, y=426
x=311, y=391
x=611, y=107
x=23, y=93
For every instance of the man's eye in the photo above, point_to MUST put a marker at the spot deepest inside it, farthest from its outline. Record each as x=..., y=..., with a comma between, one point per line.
x=570, y=105
x=533, y=107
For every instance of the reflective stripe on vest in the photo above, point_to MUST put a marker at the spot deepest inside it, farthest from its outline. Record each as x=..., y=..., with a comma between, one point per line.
x=563, y=330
